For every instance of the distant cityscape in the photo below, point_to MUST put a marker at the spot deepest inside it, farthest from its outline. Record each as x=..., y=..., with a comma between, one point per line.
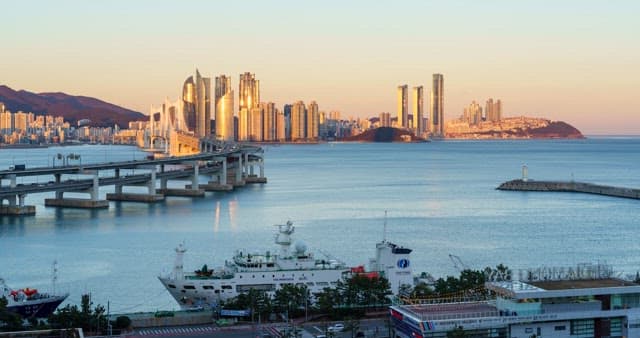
x=255, y=121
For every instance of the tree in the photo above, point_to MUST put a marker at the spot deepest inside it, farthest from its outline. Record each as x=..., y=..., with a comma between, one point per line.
x=458, y=332
x=9, y=321
x=90, y=320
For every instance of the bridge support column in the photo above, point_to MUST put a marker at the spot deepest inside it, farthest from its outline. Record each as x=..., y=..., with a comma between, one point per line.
x=94, y=201
x=190, y=190
x=16, y=206
x=220, y=182
x=150, y=197
x=253, y=178
x=238, y=182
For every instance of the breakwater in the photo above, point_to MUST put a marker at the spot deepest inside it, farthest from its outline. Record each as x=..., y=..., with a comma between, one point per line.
x=569, y=186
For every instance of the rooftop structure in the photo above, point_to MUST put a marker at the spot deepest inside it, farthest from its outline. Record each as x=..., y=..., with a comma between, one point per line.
x=587, y=305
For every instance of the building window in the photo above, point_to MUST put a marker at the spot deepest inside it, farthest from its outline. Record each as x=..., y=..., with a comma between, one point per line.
x=560, y=328
x=189, y=287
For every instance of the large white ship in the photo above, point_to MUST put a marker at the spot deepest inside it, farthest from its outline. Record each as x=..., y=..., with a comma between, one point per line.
x=268, y=271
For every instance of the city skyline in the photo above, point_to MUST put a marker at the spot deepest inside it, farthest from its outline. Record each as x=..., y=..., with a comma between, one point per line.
x=570, y=61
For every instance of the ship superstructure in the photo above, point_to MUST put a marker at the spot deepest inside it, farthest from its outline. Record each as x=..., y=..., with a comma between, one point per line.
x=293, y=265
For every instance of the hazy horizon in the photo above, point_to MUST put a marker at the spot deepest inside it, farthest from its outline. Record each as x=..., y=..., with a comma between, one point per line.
x=574, y=61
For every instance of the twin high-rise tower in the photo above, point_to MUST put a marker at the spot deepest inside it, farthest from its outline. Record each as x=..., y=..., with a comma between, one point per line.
x=196, y=105
x=436, y=119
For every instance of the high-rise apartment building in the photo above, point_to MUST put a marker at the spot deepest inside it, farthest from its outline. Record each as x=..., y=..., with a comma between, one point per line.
x=473, y=113
x=436, y=122
x=255, y=124
x=418, y=109
x=281, y=126
x=313, y=121
x=224, y=108
x=189, y=104
x=249, y=98
x=196, y=105
x=298, y=121
x=334, y=115
x=403, y=106
x=203, y=105
x=385, y=120
x=268, y=121
x=493, y=110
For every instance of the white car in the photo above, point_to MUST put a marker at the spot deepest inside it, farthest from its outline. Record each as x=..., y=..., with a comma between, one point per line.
x=338, y=327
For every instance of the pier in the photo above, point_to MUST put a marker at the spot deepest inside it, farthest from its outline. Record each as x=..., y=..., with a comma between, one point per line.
x=569, y=186
x=226, y=167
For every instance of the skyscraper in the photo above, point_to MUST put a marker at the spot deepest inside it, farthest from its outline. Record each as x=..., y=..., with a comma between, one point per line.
x=403, y=106
x=298, y=121
x=189, y=104
x=224, y=109
x=493, y=110
x=312, y=121
x=203, y=105
x=249, y=98
x=436, y=122
x=268, y=121
x=255, y=124
x=418, y=109
x=281, y=126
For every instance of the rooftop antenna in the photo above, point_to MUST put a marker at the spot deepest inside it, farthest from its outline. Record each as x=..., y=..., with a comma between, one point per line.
x=384, y=231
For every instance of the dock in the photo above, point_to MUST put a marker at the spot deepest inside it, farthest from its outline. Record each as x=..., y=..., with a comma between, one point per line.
x=569, y=186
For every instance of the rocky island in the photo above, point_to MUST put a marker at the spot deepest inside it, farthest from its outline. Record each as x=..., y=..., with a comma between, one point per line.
x=384, y=134
x=512, y=128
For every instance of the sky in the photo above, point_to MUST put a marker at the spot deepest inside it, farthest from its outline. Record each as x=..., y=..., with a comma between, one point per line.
x=575, y=61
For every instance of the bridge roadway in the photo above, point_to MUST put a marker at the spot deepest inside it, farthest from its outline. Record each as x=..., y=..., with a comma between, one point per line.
x=236, y=162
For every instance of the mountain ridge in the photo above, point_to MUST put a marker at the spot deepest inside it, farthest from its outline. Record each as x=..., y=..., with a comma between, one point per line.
x=71, y=107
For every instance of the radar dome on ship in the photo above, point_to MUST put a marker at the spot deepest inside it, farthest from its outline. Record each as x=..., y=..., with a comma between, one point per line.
x=301, y=247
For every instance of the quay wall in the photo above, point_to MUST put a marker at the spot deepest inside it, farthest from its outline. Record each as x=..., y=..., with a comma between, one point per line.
x=570, y=186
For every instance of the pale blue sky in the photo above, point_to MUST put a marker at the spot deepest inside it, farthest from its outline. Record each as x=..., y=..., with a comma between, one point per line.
x=576, y=61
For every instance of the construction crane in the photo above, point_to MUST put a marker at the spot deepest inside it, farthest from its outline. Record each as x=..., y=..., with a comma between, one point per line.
x=458, y=263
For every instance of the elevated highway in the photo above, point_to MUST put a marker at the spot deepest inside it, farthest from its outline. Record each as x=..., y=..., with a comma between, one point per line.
x=227, y=167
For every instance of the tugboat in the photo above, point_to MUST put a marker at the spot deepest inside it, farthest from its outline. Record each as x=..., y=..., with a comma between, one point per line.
x=30, y=303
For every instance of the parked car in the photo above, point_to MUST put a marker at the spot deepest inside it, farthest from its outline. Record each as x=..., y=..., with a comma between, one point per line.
x=338, y=327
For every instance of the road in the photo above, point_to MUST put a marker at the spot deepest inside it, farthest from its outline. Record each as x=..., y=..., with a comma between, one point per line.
x=369, y=327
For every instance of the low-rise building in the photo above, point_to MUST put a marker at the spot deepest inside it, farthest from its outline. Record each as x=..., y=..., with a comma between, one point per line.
x=592, y=305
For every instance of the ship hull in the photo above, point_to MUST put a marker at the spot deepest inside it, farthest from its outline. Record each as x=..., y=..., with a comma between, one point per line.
x=194, y=292
x=39, y=308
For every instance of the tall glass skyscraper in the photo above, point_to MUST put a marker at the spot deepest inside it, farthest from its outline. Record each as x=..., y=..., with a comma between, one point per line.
x=403, y=106
x=436, y=122
x=196, y=105
x=249, y=95
x=203, y=105
x=418, y=110
x=224, y=109
x=189, y=104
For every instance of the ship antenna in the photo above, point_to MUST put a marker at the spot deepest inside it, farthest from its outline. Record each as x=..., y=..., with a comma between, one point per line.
x=54, y=275
x=384, y=231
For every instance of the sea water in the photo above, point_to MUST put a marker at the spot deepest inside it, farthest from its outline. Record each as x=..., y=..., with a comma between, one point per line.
x=440, y=199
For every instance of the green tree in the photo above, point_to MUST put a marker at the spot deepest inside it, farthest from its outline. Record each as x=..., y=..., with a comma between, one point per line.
x=9, y=321
x=90, y=320
x=291, y=299
x=458, y=332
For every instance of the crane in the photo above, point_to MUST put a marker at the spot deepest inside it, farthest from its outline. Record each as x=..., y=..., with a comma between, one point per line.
x=458, y=263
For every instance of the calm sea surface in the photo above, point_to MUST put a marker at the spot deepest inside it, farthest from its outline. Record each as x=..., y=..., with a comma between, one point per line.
x=440, y=196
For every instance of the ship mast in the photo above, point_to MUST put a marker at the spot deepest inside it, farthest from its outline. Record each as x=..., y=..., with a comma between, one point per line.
x=384, y=230
x=178, y=271
x=54, y=275
x=283, y=238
